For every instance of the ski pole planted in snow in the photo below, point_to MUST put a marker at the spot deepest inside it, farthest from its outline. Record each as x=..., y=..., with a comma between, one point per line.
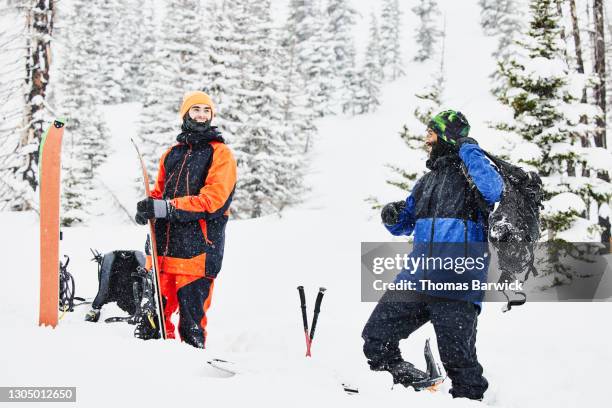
x=304, y=318
x=315, y=317
x=317, y=309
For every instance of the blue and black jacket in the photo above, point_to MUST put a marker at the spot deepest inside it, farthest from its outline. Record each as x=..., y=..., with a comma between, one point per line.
x=443, y=214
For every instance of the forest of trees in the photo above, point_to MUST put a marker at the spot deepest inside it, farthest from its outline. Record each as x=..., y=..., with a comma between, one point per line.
x=271, y=80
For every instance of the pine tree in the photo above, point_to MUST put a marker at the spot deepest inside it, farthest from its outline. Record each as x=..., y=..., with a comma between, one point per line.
x=26, y=39
x=340, y=29
x=106, y=21
x=271, y=171
x=547, y=112
x=318, y=70
x=158, y=122
x=296, y=113
x=427, y=33
x=390, y=39
x=297, y=48
x=86, y=142
x=181, y=64
x=137, y=41
x=369, y=80
x=504, y=20
x=306, y=32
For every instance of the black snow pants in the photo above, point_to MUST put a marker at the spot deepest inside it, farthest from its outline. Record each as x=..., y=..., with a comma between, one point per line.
x=454, y=322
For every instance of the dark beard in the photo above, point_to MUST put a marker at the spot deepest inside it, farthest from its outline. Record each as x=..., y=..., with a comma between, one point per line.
x=438, y=150
x=190, y=125
x=198, y=133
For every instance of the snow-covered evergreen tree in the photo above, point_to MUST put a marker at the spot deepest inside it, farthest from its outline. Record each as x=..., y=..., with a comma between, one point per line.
x=504, y=20
x=158, y=121
x=86, y=137
x=270, y=171
x=546, y=132
x=26, y=37
x=221, y=56
x=341, y=18
x=137, y=45
x=15, y=191
x=296, y=112
x=181, y=64
x=296, y=50
x=390, y=39
x=367, y=96
x=427, y=33
x=108, y=24
x=306, y=30
x=319, y=64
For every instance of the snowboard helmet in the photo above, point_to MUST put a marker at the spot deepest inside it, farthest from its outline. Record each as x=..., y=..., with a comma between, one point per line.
x=450, y=125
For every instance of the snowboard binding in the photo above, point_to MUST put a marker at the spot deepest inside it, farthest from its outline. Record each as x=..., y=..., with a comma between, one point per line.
x=146, y=315
x=67, y=289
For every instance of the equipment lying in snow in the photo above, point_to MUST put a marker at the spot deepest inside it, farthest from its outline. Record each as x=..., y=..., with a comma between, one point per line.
x=430, y=379
x=230, y=369
x=117, y=282
x=67, y=289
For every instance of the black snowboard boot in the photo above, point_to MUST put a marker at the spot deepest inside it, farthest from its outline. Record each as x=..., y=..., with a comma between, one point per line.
x=406, y=374
x=409, y=376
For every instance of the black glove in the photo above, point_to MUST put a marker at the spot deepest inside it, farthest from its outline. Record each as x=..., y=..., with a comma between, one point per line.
x=140, y=220
x=150, y=208
x=465, y=140
x=390, y=212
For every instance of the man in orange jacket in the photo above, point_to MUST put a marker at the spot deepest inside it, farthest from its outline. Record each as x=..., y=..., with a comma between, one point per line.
x=190, y=204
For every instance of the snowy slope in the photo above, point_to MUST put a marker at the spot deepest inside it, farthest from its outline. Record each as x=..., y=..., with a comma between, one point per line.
x=539, y=355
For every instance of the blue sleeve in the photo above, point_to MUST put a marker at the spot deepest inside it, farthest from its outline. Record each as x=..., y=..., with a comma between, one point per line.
x=406, y=220
x=485, y=177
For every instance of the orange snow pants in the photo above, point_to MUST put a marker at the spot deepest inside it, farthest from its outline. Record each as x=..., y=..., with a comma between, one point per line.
x=191, y=295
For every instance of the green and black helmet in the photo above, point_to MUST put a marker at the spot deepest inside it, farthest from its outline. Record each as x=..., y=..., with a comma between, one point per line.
x=450, y=125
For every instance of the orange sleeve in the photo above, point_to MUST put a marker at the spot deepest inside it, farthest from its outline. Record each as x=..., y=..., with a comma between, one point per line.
x=218, y=186
x=158, y=188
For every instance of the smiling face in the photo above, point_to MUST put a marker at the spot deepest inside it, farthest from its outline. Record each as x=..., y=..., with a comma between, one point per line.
x=200, y=113
x=431, y=139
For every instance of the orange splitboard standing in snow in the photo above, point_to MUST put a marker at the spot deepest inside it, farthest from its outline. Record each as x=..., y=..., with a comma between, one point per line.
x=49, y=165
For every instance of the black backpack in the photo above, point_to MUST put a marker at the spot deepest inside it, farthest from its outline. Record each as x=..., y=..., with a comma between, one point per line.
x=118, y=281
x=514, y=226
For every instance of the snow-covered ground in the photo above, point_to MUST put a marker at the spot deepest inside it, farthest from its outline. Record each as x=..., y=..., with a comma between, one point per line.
x=538, y=355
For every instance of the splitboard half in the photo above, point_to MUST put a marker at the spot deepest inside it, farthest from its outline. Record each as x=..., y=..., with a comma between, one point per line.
x=49, y=165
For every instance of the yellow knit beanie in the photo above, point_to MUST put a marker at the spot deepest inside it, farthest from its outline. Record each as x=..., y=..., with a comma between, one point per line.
x=195, y=98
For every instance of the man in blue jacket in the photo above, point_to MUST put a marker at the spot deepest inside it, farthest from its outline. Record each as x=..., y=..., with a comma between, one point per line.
x=441, y=209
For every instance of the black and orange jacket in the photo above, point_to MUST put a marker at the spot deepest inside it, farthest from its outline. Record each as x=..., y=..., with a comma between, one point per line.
x=198, y=177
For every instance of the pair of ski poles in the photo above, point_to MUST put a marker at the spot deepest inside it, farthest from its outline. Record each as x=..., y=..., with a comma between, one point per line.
x=309, y=336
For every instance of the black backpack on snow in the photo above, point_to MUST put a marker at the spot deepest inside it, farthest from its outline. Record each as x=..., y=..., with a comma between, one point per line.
x=118, y=281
